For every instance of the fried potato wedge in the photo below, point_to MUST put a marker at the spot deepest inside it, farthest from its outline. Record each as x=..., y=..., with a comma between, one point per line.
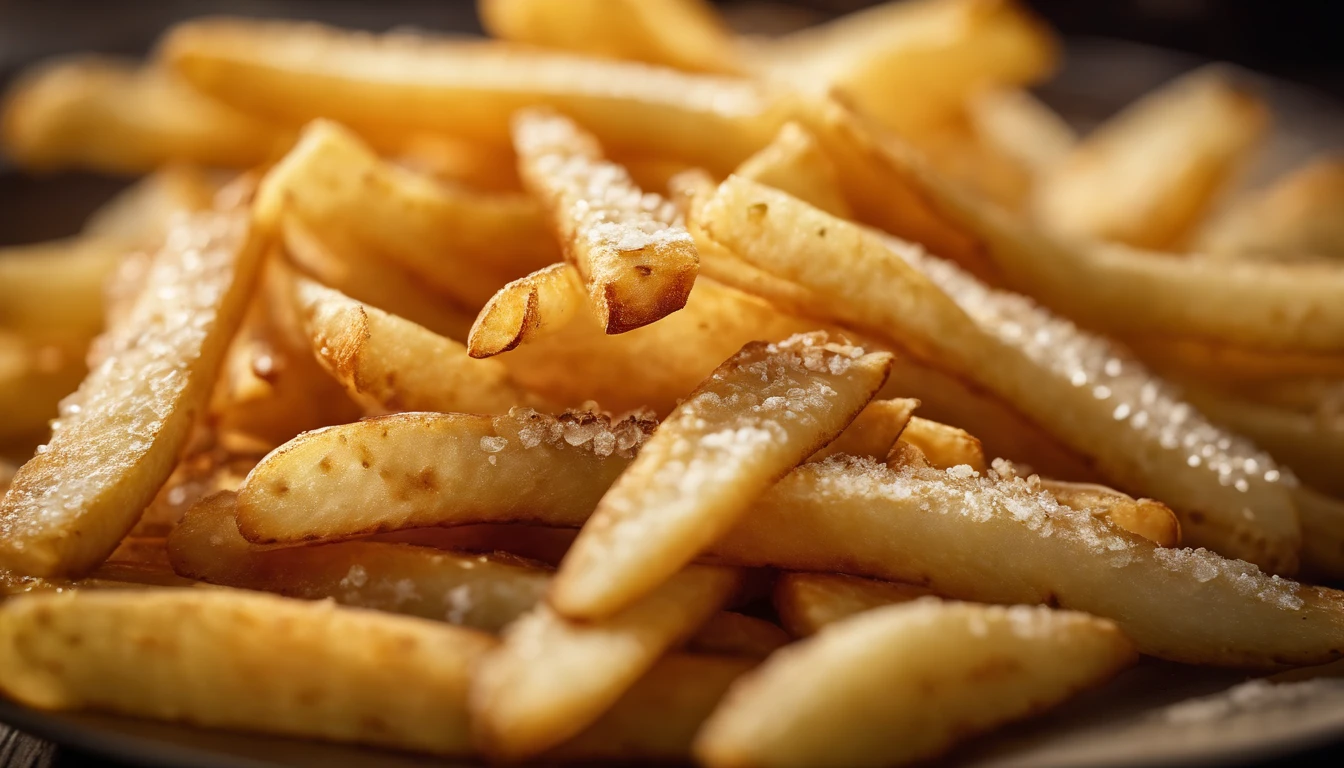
x=944, y=446
x=758, y=415
x=1020, y=126
x=387, y=363
x=55, y=289
x=115, y=116
x=681, y=34
x=1150, y=519
x=539, y=303
x=415, y=470
x=244, y=661
x=461, y=242
x=735, y=634
x=806, y=602
x=387, y=86
x=1149, y=175
x=1297, y=217
x=34, y=376
x=872, y=433
x=552, y=677
x=796, y=163
x=119, y=435
x=906, y=682
x=1082, y=388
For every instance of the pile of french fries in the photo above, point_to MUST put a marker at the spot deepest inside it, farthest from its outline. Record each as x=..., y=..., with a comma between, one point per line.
x=623, y=388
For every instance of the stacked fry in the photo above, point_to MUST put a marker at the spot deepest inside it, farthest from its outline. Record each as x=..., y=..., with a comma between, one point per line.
x=625, y=389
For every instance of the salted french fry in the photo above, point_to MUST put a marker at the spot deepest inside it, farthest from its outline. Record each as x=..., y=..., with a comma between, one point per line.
x=552, y=677
x=34, y=376
x=904, y=683
x=1083, y=389
x=415, y=470
x=1150, y=519
x=116, y=116
x=1020, y=126
x=872, y=433
x=904, y=454
x=736, y=634
x=763, y=411
x=525, y=309
x=387, y=363
x=806, y=602
x=795, y=163
x=244, y=661
x=1148, y=176
x=55, y=289
x=388, y=86
x=1295, y=218
x=118, y=436
x=944, y=446
x=682, y=34
x=461, y=242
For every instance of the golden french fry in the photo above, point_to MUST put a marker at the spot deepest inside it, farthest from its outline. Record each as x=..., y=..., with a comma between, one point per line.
x=795, y=163
x=735, y=634
x=1148, y=176
x=764, y=410
x=454, y=160
x=387, y=363
x=944, y=446
x=955, y=149
x=1196, y=359
x=904, y=683
x=55, y=289
x=244, y=661
x=111, y=115
x=872, y=433
x=904, y=454
x=118, y=436
x=1295, y=218
x=34, y=376
x=1150, y=519
x=1018, y=125
x=1080, y=387
x=806, y=602
x=388, y=86
x=539, y=303
x=415, y=470
x=682, y=34
x=552, y=677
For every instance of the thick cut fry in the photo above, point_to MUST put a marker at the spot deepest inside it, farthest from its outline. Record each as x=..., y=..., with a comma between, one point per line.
x=762, y=412
x=463, y=243
x=1020, y=126
x=1148, y=176
x=944, y=446
x=955, y=149
x=872, y=433
x=552, y=677
x=387, y=363
x=34, y=376
x=419, y=469
x=55, y=289
x=525, y=309
x=110, y=115
x=251, y=662
x=795, y=163
x=630, y=247
x=388, y=86
x=905, y=683
x=1297, y=217
x=1150, y=519
x=119, y=435
x=1083, y=389
x=735, y=634
x=806, y=602
x=682, y=34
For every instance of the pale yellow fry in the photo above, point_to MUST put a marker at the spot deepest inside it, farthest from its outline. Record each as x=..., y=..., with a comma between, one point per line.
x=795, y=163
x=421, y=469
x=1150, y=519
x=388, y=86
x=55, y=288
x=34, y=376
x=872, y=433
x=112, y=115
x=629, y=246
x=1022, y=127
x=1148, y=176
x=552, y=677
x=736, y=634
x=905, y=683
x=461, y=242
x=244, y=661
x=119, y=435
x=525, y=309
x=763, y=411
x=1081, y=388
x=1297, y=217
x=944, y=446
x=682, y=34
x=1322, y=534
x=387, y=363
x=806, y=602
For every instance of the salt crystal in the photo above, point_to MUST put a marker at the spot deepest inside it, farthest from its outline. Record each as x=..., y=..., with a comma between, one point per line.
x=356, y=578
x=1254, y=698
x=494, y=444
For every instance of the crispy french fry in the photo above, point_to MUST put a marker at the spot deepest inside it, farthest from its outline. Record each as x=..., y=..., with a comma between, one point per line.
x=552, y=677
x=760, y=413
x=906, y=682
x=806, y=602
x=387, y=363
x=1150, y=519
x=944, y=446
x=1295, y=218
x=244, y=661
x=795, y=163
x=1078, y=386
x=34, y=376
x=539, y=303
x=1148, y=176
x=872, y=433
x=55, y=289
x=735, y=634
x=118, y=436
x=416, y=469
x=111, y=115
x=1020, y=126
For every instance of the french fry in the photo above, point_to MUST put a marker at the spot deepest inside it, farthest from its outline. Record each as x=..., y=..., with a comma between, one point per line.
x=1150, y=519
x=532, y=542
x=682, y=34
x=764, y=410
x=904, y=454
x=118, y=436
x=387, y=363
x=1295, y=218
x=415, y=470
x=806, y=602
x=34, y=376
x=1076, y=385
x=542, y=302
x=387, y=86
x=244, y=661
x=1196, y=359
x=55, y=289
x=955, y=149
x=904, y=683
x=1020, y=126
x=872, y=433
x=552, y=677
x=736, y=634
x=1148, y=176
x=139, y=216
x=795, y=163
x=944, y=446
x=453, y=160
